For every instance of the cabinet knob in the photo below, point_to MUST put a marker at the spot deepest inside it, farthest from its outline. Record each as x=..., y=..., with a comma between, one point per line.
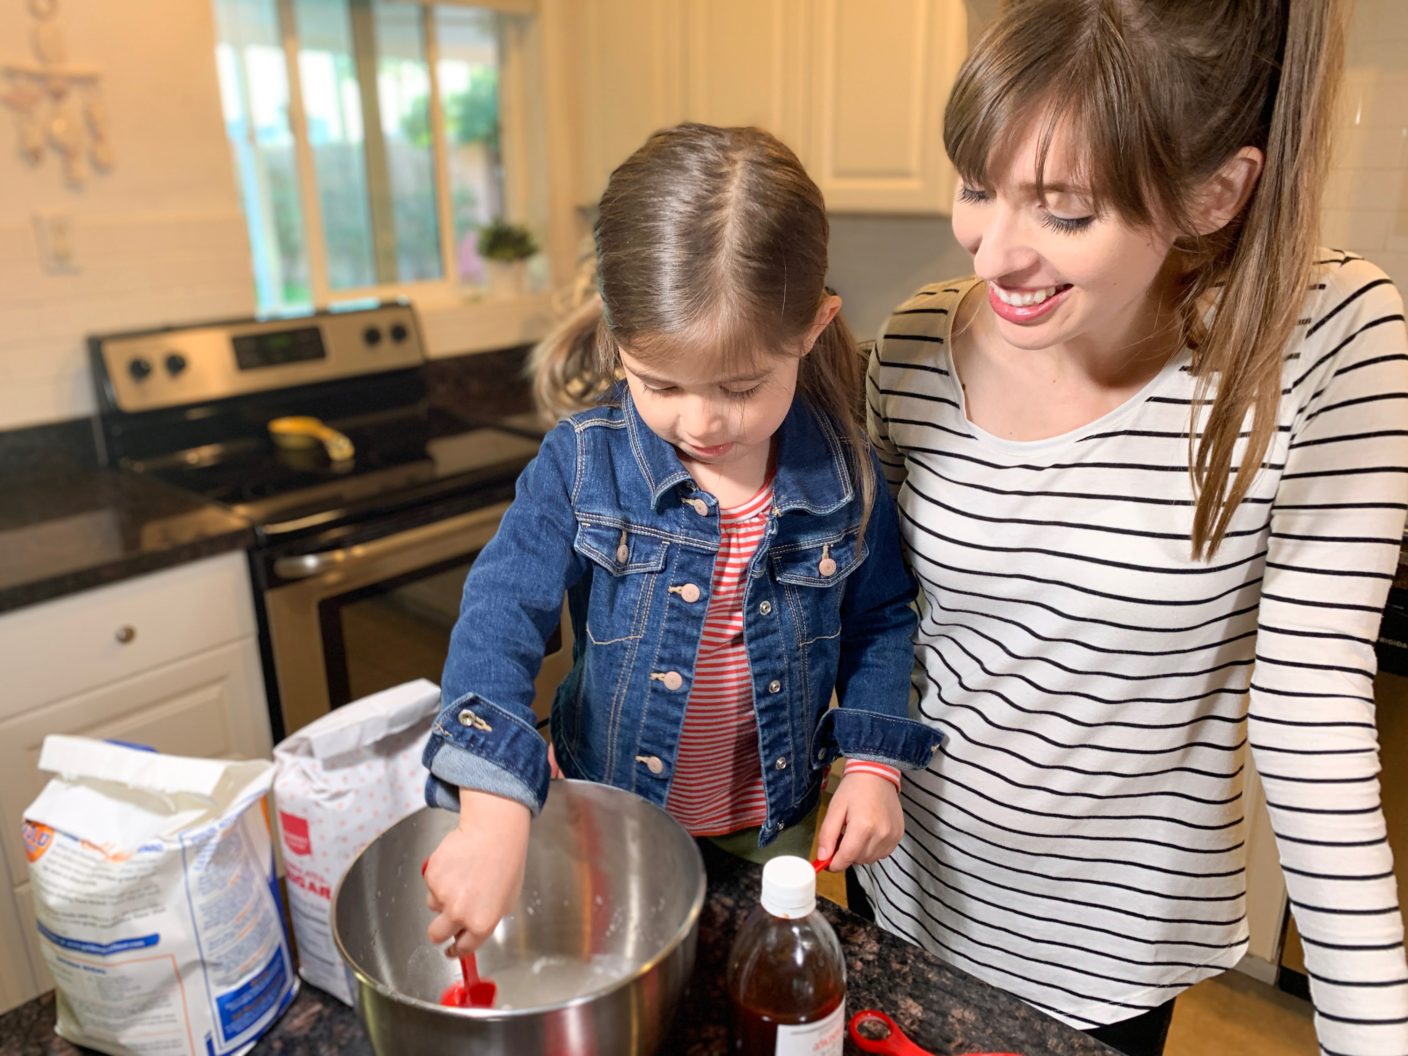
x=125, y=634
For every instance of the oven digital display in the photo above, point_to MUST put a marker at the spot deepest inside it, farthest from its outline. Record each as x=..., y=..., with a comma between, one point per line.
x=276, y=347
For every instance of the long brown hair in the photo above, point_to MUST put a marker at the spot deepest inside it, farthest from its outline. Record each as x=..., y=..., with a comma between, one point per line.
x=1168, y=91
x=709, y=239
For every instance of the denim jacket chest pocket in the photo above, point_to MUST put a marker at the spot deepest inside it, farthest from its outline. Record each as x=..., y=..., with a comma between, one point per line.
x=625, y=562
x=811, y=575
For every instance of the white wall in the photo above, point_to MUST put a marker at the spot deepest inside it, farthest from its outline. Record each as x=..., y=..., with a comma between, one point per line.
x=159, y=239
x=1366, y=198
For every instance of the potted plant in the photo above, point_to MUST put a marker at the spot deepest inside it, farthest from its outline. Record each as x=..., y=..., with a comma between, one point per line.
x=505, y=249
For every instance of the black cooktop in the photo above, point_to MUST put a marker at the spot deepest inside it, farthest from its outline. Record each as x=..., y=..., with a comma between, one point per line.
x=401, y=458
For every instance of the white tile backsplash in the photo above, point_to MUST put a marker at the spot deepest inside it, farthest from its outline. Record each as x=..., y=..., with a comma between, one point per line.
x=1366, y=197
x=159, y=239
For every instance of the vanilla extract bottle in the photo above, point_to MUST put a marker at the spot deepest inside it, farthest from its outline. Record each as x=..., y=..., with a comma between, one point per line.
x=786, y=972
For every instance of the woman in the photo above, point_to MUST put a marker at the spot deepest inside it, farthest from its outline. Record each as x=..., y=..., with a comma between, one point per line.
x=1150, y=464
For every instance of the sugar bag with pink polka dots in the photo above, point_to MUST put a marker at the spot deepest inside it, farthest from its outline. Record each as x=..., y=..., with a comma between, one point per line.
x=339, y=783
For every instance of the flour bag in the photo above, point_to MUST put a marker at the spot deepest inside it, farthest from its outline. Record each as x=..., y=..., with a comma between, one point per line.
x=155, y=896
x=340, y=783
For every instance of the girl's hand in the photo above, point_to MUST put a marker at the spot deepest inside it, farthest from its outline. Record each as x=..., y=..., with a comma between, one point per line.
x=864, y=822
x=555, y=770
x=475, y=874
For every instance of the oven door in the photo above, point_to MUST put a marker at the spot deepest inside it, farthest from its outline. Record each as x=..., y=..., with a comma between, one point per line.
x=350, y=621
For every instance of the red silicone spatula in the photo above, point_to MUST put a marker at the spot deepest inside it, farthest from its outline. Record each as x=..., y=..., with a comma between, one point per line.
x=472, y=992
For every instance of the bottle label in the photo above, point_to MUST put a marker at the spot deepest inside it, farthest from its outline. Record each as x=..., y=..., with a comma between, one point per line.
x=825, y=1037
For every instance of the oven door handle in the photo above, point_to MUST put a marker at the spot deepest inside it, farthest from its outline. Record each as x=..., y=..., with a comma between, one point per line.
x=304, y=566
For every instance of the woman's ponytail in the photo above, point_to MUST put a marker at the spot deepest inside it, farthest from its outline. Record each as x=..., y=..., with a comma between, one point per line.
x=1265, y=272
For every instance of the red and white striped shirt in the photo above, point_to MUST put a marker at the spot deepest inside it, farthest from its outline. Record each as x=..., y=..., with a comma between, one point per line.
x=718, y=782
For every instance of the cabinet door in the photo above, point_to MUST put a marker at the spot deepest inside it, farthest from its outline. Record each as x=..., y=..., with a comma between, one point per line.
x=18, y=983
x=747, y=62
x=630, y=58
x=209, y=705
x=882, y=74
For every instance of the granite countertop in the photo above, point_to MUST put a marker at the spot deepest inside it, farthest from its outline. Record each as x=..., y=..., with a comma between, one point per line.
x=942, y=1009
x=64, y=529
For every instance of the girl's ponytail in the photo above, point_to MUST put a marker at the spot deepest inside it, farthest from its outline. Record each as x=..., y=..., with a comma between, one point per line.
x=572, y=367
x=832, y=379
x=1265, y=271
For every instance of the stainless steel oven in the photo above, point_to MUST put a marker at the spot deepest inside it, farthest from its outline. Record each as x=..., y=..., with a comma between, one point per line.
x=368, y=504
x=350, y=620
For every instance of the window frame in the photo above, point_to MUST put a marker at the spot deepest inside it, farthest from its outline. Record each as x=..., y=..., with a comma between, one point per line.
x=519, y=36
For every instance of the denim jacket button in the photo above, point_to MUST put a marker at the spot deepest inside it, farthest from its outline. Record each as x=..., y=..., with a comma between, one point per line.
x=765, y=608
x=774, y=686
x=673, y=680
x=690, y=593
x=826, y=566
x=653, y=763
x=781, y=763
x=469, y=718
x=623, y=554
x=699, y=506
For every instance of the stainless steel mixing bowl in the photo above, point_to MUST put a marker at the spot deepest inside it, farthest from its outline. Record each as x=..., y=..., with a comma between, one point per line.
x=610, y=880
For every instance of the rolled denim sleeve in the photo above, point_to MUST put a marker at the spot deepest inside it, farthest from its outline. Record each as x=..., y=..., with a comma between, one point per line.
x=877, y=654
x=485, y=736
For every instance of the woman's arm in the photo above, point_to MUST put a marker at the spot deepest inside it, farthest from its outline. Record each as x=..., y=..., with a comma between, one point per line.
x=891, y=460
x=1336, y=528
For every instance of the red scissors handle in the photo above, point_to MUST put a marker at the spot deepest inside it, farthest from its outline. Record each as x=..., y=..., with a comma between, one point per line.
x=883, y=1035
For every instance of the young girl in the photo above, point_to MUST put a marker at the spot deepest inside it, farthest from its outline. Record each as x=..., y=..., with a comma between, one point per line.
x=1151, y=473
x=715, y=524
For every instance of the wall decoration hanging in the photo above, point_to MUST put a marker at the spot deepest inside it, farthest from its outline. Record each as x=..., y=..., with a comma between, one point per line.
x=57, y=106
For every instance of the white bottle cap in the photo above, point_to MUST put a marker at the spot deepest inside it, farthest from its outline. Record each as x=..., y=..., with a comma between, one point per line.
x=789, y=887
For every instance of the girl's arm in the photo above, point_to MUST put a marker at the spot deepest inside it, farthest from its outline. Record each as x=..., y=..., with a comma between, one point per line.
x=1336, y=528
x=876, y=656
x=485, y=737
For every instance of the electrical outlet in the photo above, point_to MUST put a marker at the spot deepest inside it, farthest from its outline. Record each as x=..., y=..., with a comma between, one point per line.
x=54, y=235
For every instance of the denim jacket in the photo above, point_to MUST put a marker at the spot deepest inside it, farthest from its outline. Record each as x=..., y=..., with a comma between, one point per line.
x=607, y=514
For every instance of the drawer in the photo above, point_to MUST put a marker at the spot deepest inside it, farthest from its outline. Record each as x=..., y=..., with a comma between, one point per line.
x=211, y=705
x=62, y=647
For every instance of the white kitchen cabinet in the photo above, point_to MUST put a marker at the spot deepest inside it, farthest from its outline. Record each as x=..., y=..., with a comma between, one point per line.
x=857, y=89
x=169, y=660
x=628, y=63
x=881, y=76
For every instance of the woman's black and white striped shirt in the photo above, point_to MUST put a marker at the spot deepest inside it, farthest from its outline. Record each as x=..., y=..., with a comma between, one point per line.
x=1080, y=839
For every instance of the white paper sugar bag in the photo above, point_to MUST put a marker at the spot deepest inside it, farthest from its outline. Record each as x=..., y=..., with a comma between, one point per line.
x=156, y=900
x=340, y=783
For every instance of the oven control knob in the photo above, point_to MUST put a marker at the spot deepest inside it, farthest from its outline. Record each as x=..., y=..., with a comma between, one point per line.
x=175, y=363
x=372, y=336
x=399, y=332
x=139, y=368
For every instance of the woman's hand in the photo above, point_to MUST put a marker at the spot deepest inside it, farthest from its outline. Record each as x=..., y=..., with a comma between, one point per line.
x=475, y=874
x=864, y=822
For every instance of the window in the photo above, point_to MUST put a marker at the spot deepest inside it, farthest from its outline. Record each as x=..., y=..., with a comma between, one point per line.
x=368, y=140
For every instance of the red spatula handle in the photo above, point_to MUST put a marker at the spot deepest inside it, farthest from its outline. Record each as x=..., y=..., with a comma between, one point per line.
x=894, y=1043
